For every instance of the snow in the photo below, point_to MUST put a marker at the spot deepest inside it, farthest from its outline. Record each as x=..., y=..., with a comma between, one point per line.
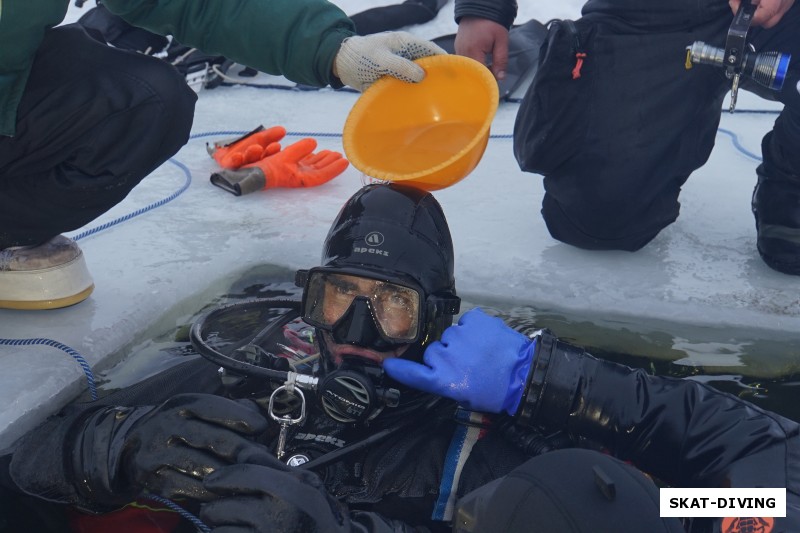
x=151, y=272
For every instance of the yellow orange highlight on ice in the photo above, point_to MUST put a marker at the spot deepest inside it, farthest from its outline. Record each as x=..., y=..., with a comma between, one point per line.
x=430, y=134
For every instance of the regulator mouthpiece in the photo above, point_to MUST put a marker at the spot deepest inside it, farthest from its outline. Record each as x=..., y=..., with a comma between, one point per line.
x=353, y=393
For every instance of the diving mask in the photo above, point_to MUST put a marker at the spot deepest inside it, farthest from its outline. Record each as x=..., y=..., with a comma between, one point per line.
x=362, y=310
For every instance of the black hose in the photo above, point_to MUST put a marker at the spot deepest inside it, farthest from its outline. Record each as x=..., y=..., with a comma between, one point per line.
x=197, y=336
x=532, y=441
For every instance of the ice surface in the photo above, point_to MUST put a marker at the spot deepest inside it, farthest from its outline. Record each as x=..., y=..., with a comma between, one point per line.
x=165, y=264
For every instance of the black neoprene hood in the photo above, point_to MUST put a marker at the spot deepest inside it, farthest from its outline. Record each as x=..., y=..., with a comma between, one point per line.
x=395, y=231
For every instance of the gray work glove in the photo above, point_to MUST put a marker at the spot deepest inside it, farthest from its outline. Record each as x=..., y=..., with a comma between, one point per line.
x=362, y=60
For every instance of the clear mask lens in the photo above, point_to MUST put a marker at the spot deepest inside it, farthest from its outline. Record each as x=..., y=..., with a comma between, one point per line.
x=396, y=308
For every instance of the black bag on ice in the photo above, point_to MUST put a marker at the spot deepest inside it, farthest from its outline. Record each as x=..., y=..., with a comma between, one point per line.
x=551, y=122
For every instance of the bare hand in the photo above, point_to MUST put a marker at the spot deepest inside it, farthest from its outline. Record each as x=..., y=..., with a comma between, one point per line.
x=477, y=38
x=768, y=13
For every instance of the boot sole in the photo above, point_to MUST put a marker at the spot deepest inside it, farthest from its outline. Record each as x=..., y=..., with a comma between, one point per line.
x=784, y=267
x=49, y=288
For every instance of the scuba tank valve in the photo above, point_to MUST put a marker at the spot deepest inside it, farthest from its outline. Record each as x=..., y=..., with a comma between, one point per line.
x=740, y=58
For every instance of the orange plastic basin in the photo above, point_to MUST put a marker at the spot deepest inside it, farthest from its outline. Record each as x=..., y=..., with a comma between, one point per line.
x=430, y=134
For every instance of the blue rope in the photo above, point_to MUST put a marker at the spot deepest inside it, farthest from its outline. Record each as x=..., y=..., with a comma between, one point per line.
x=734, y=139
x=312, y=134
x=55, y=344
x=738, y=145
x=188, y=181
x=502, y=136
x=87, y=370
x=220, y=133
x=508, y=99
x=188, y=174
x=181, y=511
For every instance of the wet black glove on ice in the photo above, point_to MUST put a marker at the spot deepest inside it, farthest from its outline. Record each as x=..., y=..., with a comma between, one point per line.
x=166, y=450
x=271, y=496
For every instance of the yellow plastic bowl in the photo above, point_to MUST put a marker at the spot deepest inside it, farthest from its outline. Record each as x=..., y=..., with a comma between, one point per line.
x=430, y=134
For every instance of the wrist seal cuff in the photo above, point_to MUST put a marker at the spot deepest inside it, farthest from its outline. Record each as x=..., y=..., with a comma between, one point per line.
x=543, y=350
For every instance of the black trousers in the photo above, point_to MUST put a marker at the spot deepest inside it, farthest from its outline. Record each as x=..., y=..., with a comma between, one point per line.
x=94, y=120
x=648, y=122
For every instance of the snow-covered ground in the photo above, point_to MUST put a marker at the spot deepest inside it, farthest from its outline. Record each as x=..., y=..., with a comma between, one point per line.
x=701, y=279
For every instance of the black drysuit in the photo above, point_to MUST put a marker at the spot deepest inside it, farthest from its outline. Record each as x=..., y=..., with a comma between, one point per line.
x=682, y=432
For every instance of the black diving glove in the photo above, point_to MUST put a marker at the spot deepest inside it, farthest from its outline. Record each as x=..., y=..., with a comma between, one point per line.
x=270, y=496
x=167, y=450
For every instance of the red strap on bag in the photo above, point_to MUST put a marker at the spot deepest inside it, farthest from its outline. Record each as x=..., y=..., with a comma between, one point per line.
x=576, y=72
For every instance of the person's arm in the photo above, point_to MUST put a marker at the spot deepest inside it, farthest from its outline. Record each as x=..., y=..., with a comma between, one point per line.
x=296, y=38
x=308, y=41
x=101, y=457
x=683, y=432
x=768, y=13
x=483, y=31
x=503, y=12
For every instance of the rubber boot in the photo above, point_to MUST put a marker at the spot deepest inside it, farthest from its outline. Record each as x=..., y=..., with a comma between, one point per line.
x=776, y=206
x=47, y=276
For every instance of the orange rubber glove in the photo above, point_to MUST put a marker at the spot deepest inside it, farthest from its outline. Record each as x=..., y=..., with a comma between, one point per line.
x=297, y=166
x=249, y=148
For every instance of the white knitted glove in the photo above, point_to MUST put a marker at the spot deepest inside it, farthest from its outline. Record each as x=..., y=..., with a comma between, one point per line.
x=362, y=60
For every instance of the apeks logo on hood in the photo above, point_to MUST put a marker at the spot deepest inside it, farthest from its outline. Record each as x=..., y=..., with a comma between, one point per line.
x=373, y=240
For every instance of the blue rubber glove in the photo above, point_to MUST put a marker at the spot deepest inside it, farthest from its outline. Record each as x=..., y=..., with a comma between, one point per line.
x=481, y=363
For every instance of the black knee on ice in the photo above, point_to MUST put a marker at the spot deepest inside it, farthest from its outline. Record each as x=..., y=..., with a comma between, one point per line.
x=171, y=118
x=613, y=229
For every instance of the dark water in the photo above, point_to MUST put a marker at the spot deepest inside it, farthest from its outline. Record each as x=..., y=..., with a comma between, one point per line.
x=762, y=367
x=779, y=394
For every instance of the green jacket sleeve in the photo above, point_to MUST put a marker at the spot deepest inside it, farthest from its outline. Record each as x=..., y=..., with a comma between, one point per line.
x=296, y=38
x=22, y=27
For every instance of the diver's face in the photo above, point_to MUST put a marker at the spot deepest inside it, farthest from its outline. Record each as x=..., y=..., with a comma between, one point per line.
x=357, y=315
x=396, y=308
